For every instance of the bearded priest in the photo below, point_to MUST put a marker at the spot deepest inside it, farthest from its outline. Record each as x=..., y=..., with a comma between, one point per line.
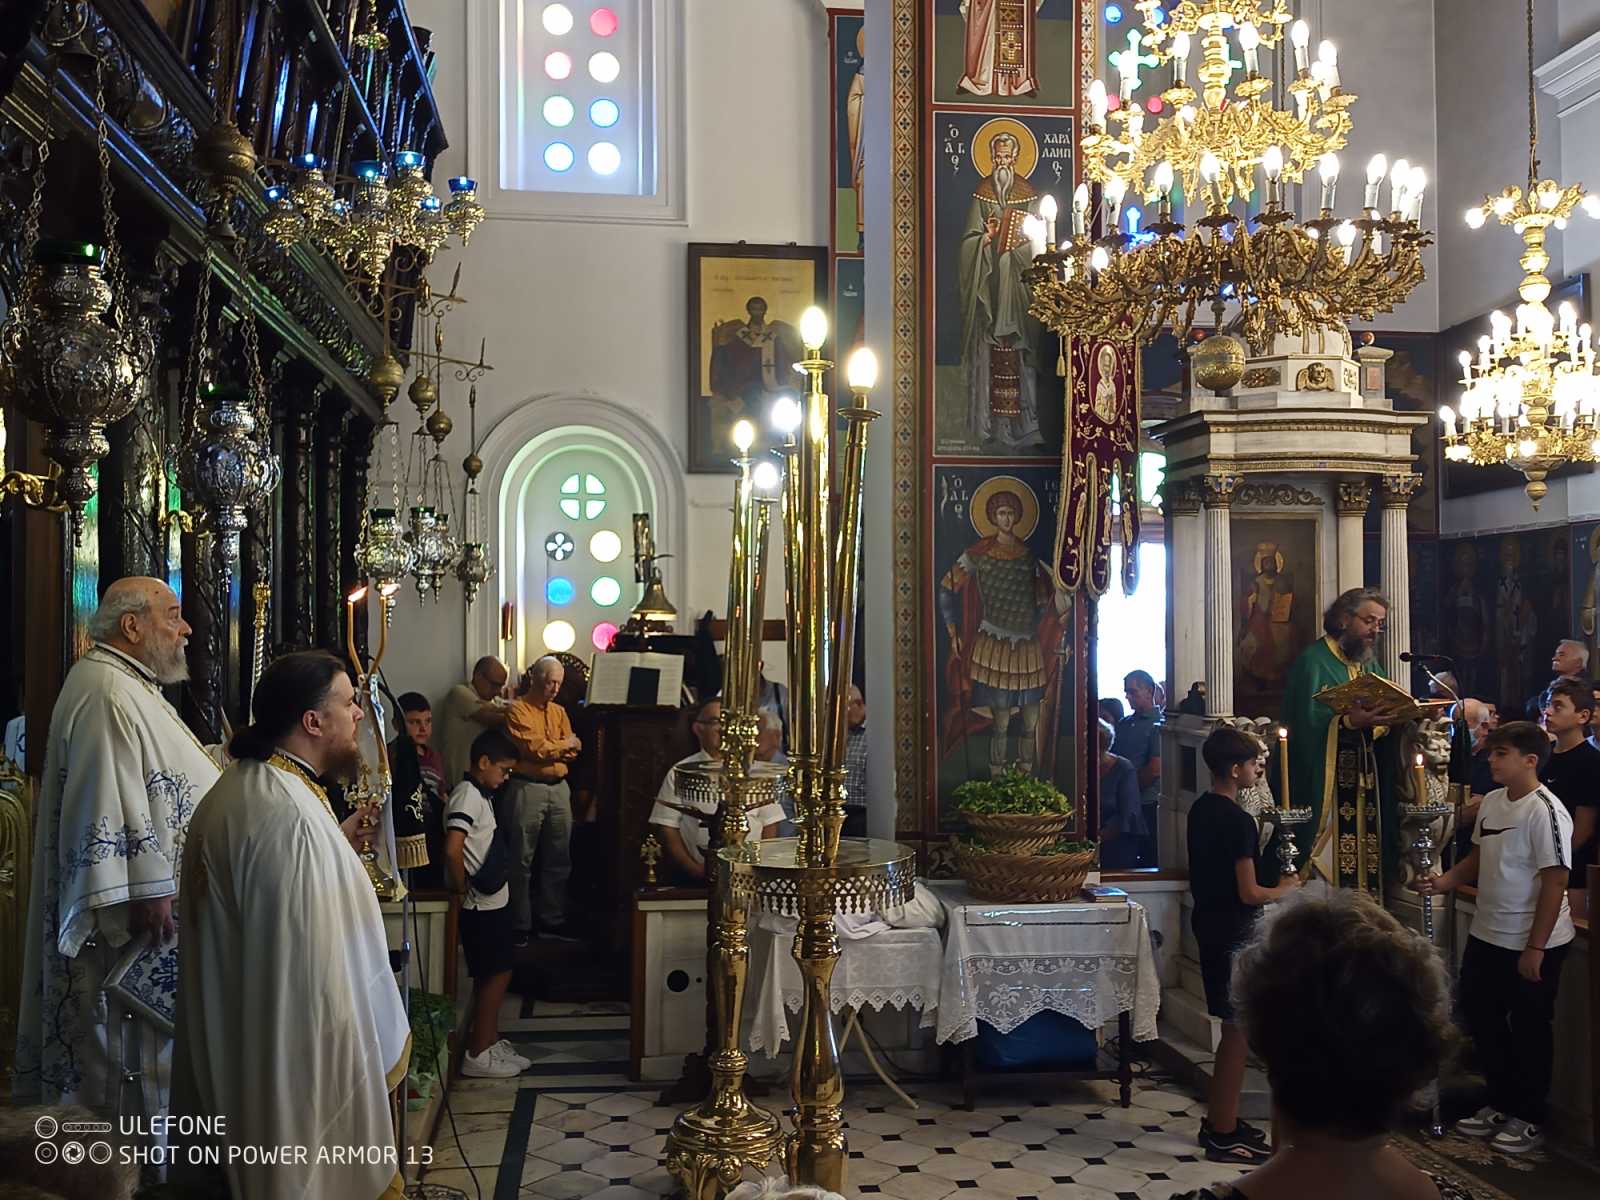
x=122, y=776
x=291, y=1033
x=1343, y=767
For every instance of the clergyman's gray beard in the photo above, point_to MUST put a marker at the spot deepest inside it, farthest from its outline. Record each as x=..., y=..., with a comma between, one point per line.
x=1356, y=648
x=172, y=667
x=1003, y=179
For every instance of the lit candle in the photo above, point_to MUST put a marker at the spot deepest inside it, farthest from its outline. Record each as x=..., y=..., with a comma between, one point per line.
x=1272, y=168
x=350, y=602
x=1328, y=168
x=1097, y=104
x=1283, y=767
x=1080, y=209
x=1211, y=173
x=1328, y=56
x=1419, y=781
x=1249, y=42
x=1377, y=168
x=1113, y=191
x=1047, y=210
x=1163, y=182
x=1180, y=58
x=1399, y=186
x=1300, y=35
x=1125, y=69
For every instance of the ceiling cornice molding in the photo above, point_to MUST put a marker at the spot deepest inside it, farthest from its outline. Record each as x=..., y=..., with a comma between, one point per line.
x=1572, y=78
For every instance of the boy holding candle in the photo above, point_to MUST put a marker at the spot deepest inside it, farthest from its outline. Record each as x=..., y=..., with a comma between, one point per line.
x=1223, y=844
x=1521, y=851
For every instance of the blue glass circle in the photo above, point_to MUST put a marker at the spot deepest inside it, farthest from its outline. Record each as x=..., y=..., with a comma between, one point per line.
x=604, y=113
x=1113, y=13
x=558, y=156
x=559, y=590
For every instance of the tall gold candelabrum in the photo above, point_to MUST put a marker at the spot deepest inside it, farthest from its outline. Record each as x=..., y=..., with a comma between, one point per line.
x=711, y=1145
x=817, y=874
x=372, y=784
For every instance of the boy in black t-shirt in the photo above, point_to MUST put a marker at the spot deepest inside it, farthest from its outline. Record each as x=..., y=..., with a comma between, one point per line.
x=1573, y=772
x=1222, y=875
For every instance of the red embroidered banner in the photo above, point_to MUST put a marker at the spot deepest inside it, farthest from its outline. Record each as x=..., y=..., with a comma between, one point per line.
x=1099, y=460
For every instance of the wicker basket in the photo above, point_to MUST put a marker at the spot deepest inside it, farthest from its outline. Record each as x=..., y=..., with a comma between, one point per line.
x=1024, y=878
x=1016, y=833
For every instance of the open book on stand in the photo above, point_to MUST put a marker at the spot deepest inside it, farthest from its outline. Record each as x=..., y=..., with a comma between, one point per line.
x=1393, y=704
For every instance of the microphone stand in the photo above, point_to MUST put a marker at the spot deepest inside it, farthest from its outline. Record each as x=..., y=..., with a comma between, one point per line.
x=1424, y=853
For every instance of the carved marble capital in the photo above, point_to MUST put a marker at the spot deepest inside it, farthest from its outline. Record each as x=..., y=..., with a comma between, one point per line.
x=1398, y=489
x=1352, y=497
x=1217, y=490
x=1181, y=497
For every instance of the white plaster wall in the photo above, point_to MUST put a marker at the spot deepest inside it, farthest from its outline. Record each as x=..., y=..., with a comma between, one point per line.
x=584, y=308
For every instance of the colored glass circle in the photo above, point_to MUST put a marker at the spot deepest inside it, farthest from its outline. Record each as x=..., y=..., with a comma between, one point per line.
x=593, y=508
x=602, y=22
x=559, y=590
x=559, y=636
x=1113, y=13
x=604, y=158
x=559, y=545
x=604, y=67
x=557, y=19
x=604, y=113
x=606, y=591
x=602, y=635
x=558, y=156
x=1155, y=104
x=558, y=111
x=557, y=65
x=605, y=546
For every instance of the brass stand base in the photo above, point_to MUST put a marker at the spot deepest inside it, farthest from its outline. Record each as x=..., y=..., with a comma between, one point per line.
x=710, y=1147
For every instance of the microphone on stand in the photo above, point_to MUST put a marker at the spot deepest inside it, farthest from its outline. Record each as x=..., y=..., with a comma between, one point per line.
x=1427, y=660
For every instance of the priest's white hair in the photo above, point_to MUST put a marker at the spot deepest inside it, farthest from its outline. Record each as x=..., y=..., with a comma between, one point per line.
x=118, y=602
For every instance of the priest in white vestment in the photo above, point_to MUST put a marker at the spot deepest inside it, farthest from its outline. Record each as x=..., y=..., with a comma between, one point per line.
x=122, y=777
x=290, y=1026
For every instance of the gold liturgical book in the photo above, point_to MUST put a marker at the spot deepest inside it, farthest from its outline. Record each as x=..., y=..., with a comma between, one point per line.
x=1374, y=692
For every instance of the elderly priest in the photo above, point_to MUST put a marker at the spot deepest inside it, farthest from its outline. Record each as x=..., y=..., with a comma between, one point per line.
x=1343, y=766
x=290, y=1027
x=122, y=776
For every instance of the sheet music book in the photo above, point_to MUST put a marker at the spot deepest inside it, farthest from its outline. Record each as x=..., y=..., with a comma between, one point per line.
x=637, y=679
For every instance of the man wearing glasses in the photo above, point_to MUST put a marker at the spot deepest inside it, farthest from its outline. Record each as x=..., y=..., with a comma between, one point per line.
x=1334, y=761
x=685, y=835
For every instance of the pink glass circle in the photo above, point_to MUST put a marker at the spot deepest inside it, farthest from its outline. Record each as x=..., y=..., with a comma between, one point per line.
x=557, y=65
x=602, y=22
x=602, y=635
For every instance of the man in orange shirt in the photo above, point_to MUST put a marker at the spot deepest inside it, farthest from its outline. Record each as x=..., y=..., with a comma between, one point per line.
x=538, y=803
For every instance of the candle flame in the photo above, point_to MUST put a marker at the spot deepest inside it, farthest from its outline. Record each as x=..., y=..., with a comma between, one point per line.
x=1283, y=734
x=358, y=595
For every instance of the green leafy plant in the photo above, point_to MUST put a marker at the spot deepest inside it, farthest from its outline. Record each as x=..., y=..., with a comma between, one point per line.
x=1014, y=791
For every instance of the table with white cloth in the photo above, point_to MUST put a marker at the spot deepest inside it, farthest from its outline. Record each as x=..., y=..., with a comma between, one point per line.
x=1004, y=963
x=893, y=968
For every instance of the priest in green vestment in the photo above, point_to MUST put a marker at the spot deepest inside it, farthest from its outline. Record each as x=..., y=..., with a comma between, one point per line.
x=1341, y=767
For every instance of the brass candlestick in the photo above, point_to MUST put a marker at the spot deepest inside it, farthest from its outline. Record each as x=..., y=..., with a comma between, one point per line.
x=818, y=874
x=711, y=1145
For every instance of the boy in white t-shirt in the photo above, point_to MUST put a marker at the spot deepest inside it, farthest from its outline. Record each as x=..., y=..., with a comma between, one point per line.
x=1521, y=852
x=471, y=846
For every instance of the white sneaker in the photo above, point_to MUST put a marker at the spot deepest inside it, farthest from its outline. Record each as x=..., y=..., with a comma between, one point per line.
x=488, y=1065
x=503, y=1050
x=1518, y=1137
x=1486, y=1122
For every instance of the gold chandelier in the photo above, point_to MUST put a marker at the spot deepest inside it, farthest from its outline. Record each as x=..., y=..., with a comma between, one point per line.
x=1532, y=399
x=1283, y=274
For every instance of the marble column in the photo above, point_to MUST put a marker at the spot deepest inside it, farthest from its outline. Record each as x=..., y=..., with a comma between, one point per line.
x=1185, y=563
x=1351, y=498
x=1397, y=493
x=1217, y=495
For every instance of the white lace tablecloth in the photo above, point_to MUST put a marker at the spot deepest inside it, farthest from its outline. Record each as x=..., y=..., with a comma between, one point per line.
x=895, y=968
x=1004, y=963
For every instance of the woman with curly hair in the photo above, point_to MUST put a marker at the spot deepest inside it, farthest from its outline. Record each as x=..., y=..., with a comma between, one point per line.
x=1350, y=1013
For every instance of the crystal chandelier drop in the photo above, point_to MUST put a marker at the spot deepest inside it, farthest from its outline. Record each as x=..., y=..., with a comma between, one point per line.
x=473, y=568
x=1532, y=398
x=1113, y=277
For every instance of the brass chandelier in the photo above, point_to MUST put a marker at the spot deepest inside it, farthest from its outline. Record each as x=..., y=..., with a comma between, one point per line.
x=1532, y=399
x=1283, y=274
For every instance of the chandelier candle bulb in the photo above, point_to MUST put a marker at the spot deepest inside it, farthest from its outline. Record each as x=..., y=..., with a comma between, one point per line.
x=1300, y=35
x=1211, y=174
x=1377, y=168
x=1250, y=43
x=1399, y=186
x=1328, y=56
x=1080, y=209
x=1328, y=169
x=1447, y=418
x=1033, y=228
x=1097, y=104
x=1475, y=218
x=1047, y=210
x=1180, y=58
x=1112, y=194
x=1125, y=69
x=813, y=328
x=1272, y=168
x=1283, y=768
